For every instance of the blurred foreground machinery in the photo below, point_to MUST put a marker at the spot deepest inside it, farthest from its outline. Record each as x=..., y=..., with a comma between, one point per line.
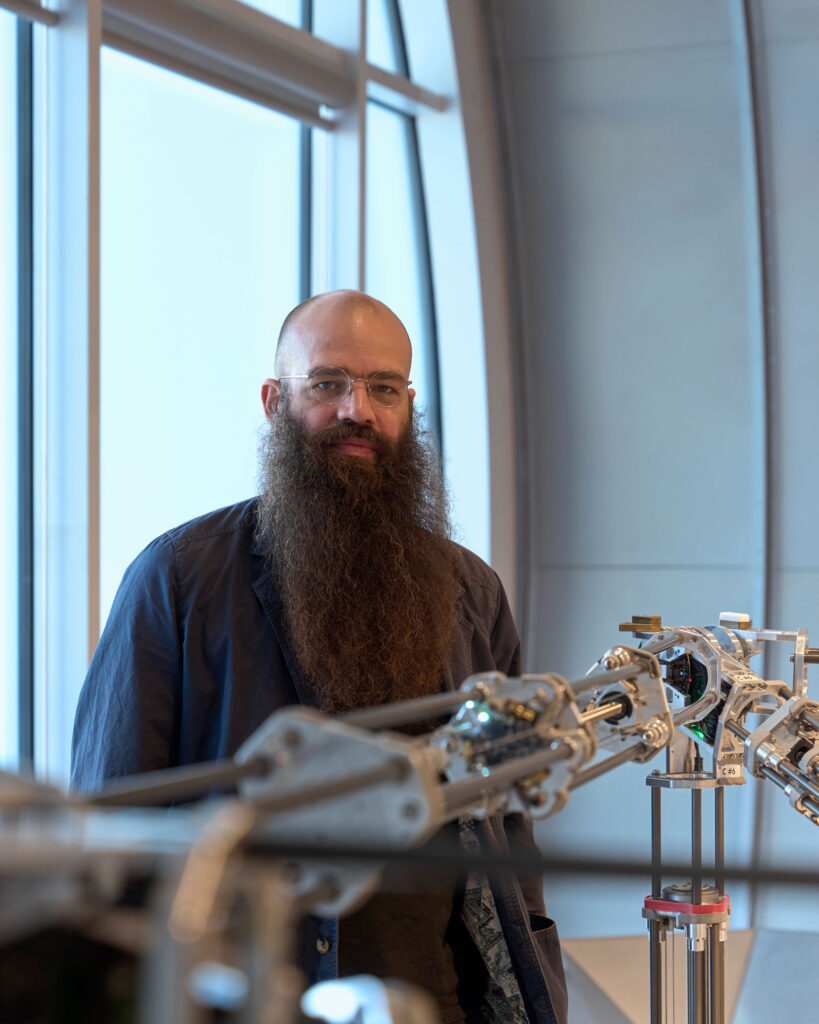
x=322, y=802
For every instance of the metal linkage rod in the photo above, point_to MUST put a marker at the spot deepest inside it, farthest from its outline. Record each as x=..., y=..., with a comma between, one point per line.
x=784, y=772
x=603, y=711
x=329, y=789
x=460, y=796
x=169, y=784
x=184, y=783
x=598, y=679
x=606, y=765
x=799, y=780
x=782, y=782
x=810, y=720
x=405, y=712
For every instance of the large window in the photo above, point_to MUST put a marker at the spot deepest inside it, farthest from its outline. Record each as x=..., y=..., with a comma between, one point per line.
x=189, y=173
x=200, y=263
x=397, y=248
x=397, y=244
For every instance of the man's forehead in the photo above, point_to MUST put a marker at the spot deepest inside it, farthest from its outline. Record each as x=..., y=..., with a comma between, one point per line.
x=358, y=336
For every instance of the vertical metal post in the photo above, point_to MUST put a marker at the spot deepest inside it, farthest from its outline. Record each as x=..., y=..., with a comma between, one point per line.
x=717, y=974
x=696, y=960
x=716, y=935
x=696, y=846
x=719, y=840
x=655, y=968
x=654, y=941
x=656, y=843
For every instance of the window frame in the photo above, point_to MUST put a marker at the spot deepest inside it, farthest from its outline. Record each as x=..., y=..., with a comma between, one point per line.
x=324, y=79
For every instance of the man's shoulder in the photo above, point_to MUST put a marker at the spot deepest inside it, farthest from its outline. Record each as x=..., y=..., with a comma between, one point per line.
x=207, y=541
x=484, y=606
x=226, y=522
x=475, y=572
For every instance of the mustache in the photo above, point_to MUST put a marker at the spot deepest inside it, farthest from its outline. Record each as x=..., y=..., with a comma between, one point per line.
x=326, y=437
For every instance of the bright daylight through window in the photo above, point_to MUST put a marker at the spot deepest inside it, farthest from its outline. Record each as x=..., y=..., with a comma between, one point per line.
x=154, y=273
x=200, y=261
x=9, y=491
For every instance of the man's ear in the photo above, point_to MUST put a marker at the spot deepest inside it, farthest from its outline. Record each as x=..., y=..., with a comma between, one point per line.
x=411, y=393
x=271, y=393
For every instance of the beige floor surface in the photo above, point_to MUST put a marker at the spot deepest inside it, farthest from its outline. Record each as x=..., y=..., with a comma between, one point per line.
x=618, y=969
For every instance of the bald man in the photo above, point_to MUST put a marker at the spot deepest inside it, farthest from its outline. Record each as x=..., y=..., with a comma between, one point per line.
x=338, y=587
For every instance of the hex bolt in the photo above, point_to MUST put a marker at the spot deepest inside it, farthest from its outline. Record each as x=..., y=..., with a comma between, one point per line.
x=292, y=738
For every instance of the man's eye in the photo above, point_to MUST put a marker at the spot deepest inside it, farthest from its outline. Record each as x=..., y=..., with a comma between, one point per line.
x=327, y=387
x=383, y=389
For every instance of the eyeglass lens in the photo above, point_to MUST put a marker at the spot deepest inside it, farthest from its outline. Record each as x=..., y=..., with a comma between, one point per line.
x=331, y=385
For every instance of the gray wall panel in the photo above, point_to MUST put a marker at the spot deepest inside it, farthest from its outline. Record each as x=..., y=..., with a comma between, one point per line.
x=532, y=28
x=643, y=471
x=789, y=19
x=634, y=274
x=793, y=88
x=579, y=608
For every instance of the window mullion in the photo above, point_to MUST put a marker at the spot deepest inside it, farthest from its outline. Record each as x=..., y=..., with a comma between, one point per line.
x=25, y=395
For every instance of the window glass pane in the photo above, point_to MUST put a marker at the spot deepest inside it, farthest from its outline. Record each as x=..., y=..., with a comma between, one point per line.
x=8, y=382
x=397, y=265
x=200, y=261
x=383, y=43
x=284, y=10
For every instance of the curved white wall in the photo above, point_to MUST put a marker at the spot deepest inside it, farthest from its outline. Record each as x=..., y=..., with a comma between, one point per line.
x=654, y=478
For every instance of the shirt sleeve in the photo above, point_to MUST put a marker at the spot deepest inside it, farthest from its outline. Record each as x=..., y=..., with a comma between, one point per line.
x=127, y=714
x=518, y=829
x=505, y=639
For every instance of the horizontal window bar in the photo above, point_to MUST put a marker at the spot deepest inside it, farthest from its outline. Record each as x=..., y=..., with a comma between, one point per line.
x=236, y=85
x=262, y=57
x=31, y=11
x=399, y=93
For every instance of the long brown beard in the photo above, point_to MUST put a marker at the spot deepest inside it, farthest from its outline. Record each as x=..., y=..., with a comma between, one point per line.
x=360, y=552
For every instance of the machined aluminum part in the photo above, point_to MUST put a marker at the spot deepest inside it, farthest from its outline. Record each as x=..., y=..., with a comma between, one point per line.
x=731, y=688
x=747, y=690
x=785, y=748
x=393, y=797
x=645, y=716
x=516, y=717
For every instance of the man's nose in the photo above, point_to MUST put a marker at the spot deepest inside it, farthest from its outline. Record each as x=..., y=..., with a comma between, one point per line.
x=357, y=406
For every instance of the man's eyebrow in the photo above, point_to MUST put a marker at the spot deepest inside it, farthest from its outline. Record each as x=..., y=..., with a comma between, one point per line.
x=390, y=373
x=335, y=366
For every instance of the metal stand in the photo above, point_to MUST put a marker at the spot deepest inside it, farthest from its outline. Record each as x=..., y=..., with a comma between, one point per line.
x=699, y=909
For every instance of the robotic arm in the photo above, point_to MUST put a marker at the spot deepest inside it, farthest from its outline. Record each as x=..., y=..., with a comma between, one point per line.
x=712, y=691
x=322, y=784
